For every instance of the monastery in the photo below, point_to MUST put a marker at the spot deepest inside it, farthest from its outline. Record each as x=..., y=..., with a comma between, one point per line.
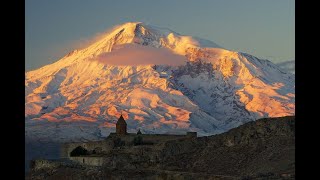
x=97, y=153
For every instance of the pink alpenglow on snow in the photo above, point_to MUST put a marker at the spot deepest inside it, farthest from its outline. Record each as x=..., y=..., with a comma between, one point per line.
x=195, y=86
x=137, y=55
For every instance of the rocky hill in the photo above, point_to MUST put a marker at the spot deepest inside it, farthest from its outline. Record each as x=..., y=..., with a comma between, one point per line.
x=262, y=149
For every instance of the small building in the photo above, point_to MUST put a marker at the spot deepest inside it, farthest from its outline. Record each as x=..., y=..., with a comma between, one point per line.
x=121, y=126
x=95, y=153
x=192, y=134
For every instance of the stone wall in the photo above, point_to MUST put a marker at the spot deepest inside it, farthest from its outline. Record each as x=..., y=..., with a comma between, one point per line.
x=157, y=138
x=147, y=138
x=114, y=141
x=90, y=146
x=192, y=134
x=91, y=161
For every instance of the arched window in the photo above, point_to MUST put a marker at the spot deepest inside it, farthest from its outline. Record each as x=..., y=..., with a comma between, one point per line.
x=79, y=151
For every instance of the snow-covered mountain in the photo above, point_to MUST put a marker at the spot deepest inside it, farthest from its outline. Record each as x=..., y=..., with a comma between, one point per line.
x=288, y=66
x=161, y=81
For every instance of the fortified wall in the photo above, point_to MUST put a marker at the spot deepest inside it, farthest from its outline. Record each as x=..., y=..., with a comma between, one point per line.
x=95, y=153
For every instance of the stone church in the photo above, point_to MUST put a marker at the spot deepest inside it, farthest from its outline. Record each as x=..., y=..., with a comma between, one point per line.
x=95, y=152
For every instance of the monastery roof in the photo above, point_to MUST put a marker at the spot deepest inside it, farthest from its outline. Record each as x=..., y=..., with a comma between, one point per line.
x=121, y=120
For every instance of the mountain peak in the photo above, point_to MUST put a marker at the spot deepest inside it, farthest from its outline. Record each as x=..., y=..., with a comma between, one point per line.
x=136, y=27
x=147, y=35
x=212, y=91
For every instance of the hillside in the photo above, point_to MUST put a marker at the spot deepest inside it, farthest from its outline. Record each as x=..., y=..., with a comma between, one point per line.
x=263, y=149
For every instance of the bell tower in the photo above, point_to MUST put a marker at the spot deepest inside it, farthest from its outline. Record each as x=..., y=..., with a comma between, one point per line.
x=121, y=126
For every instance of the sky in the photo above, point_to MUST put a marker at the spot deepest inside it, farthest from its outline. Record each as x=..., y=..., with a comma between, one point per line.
x=264, y=28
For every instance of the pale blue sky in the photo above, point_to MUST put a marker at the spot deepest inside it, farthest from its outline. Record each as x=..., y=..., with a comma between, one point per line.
x=263, y=28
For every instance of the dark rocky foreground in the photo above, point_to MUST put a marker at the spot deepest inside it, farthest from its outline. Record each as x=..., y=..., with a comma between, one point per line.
x=263, y=149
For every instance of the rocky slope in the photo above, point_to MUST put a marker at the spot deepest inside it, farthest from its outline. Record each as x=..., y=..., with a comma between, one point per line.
x=264, y=149
x=260, y=147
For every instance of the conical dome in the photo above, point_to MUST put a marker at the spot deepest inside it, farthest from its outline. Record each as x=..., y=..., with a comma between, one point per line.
x=121, y=120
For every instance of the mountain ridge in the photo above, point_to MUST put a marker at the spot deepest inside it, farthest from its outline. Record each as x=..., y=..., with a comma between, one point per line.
x=210, y=91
